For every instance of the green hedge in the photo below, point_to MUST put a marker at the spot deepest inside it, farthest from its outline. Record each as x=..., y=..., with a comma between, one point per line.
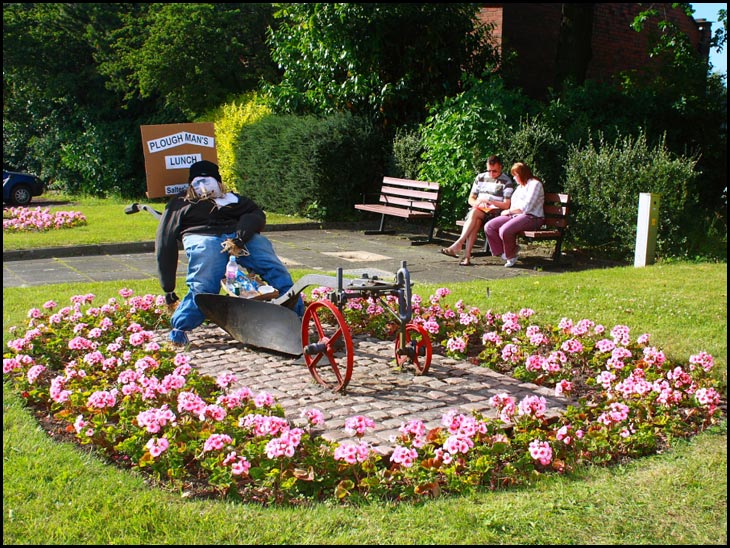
x=309, y=166
x=605, y=180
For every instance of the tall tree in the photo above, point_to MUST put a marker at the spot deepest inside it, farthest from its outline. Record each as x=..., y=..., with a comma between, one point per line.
x=51, y=86
x=191, y=56
x=386, y=61
x=80, y=78
x=688, y=102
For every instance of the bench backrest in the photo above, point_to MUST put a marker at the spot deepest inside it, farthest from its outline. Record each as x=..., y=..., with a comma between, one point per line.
x=557, y=210
x=420, y=195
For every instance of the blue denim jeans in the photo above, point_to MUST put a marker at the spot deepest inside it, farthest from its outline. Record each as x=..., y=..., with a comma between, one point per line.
x=206, y=268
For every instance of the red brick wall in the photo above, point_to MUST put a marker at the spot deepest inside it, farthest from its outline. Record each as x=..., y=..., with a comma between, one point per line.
x=617, y=47
x=531, y=30
x=493, y=16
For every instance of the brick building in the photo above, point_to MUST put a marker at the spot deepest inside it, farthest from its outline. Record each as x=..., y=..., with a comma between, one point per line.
x=594, y=40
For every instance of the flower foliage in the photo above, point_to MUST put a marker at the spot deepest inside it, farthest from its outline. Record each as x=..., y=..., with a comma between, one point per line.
x=100, y=373
x=24, y=219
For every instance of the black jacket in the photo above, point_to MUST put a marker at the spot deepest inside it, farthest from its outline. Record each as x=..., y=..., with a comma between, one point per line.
x=181, y=217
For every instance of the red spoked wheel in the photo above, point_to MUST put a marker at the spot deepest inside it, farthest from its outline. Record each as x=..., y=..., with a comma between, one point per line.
x=416, y=350
x=327, y=343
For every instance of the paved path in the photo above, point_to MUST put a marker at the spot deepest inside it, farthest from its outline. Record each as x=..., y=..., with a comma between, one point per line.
x=378, y=389
x=315, y=249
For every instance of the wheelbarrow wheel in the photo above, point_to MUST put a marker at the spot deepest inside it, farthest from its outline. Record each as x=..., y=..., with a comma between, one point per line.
x=416, y=350
x=327, y=344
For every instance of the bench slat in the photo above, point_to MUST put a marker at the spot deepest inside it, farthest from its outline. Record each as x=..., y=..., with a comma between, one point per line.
x=397, y=201
x=426, y=185
x=556, y=222
x=541, y=234
x=408, y=193
x=394, y=211
x=555, y=211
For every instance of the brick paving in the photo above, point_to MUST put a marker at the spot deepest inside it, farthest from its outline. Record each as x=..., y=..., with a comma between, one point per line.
x=377, y=389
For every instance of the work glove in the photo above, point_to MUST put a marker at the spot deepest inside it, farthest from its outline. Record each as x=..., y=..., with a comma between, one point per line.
x=234, y=247
x=171, y=298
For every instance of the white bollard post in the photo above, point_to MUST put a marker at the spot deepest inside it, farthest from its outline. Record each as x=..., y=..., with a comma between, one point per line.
x=646, y=229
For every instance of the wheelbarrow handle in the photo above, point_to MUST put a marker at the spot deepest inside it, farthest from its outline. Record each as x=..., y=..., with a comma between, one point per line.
x=136, y=208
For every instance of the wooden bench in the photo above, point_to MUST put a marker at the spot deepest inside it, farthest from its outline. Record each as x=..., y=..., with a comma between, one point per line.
x=557, y=212
x=407, y=199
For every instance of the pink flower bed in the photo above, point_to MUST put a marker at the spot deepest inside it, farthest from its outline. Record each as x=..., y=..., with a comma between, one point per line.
x=24, y=219
x=97, y=370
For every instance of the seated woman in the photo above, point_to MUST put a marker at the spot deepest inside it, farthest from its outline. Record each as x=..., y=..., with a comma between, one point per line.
x=525, y=213
x=490, y=194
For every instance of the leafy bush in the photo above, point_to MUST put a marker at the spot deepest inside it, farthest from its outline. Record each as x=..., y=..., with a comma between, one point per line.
x=104, y=160
x=605, y=180
x=686, y=115
x=307, y=165
x=581, y=113
x=542, y=148
x=229, y=119
x=462, y=132
x=407, y=156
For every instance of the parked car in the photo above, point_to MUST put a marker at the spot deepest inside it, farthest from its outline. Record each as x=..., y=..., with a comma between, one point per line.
x=20, y=188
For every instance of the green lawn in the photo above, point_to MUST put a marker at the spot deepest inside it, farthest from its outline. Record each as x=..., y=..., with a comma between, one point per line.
x=107, y=223
x=57, y=493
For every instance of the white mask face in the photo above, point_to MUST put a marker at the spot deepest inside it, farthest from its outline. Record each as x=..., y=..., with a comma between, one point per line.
x=206, y=188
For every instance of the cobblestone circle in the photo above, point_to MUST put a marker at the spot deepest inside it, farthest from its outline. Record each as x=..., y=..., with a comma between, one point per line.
x=377, y=389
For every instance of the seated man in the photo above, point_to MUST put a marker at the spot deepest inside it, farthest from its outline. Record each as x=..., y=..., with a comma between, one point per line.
x=212, y=224
x=490, y=195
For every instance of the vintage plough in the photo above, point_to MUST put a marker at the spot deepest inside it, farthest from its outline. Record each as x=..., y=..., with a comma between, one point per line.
x=322, y=335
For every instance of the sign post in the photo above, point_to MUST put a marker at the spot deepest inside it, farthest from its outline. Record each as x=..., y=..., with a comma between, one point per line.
x=170, y=150
x=646, y=229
